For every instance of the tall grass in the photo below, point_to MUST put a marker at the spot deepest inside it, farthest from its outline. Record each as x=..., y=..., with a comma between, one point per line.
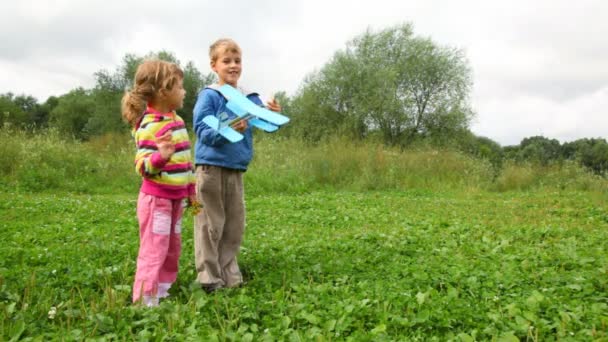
x=292, y=165
x=560, y=176
x=47, y=160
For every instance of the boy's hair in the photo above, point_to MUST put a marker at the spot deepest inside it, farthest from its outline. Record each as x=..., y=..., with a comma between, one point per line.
x=151, y=77
x=221, y=46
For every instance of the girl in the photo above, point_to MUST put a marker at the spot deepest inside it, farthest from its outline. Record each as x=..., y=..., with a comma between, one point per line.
x=163, y=160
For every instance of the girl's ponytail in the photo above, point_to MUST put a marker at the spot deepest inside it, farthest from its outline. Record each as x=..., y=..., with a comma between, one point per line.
x=150, y=77
x=134, y=103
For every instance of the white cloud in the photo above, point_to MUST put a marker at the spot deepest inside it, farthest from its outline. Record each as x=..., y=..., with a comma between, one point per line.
x=539, y=67
x=525, y=116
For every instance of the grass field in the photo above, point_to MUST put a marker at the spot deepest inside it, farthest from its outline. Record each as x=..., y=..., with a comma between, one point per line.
x=326, y=265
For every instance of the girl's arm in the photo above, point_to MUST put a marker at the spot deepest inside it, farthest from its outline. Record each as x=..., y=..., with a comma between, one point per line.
x=148, y=159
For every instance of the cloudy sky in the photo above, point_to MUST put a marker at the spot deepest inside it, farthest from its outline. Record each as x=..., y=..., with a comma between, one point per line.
x=540, y=67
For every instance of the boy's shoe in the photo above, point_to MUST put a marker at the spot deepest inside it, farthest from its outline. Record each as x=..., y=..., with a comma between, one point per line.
x=209, y=288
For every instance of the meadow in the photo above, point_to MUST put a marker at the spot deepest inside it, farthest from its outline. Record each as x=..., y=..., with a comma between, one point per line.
x=344, y=241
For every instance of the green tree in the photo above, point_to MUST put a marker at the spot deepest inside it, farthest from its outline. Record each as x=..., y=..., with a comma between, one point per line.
x=34, y=114
x=27, y=103
x=73, y=112
x=591, y=153
x=539, y=149
x=40, y=116
x=11, y=112
x=484, y=148
x=286, y=108
x=110, y=87
x=107, y=94
x=314, y=114
x=405, y=87
x=596, y=158
x=194, y=81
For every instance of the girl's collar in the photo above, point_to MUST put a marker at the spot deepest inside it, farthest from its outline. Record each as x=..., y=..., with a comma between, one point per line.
x=151, y=110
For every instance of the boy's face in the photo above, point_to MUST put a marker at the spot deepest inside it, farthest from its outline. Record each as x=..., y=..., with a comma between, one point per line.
x=228, y=67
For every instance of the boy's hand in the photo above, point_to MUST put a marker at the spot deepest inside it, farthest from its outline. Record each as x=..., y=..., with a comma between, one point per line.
x=240, y=126
x=273, y=105
x=166, y=147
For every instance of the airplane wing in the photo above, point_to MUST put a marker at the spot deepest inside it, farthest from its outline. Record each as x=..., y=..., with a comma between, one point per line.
x=263, y=125
x=236, y=108
x=225, y=130
x=239, y=104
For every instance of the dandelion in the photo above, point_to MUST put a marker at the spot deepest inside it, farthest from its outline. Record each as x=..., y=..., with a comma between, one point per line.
x=196, y=207
x=52, y=312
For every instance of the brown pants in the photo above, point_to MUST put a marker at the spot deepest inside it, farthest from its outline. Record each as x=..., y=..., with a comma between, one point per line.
x=219, y=227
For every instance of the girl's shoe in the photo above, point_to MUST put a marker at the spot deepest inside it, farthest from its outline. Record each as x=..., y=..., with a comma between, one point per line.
x=163, y=290
x=150, y=301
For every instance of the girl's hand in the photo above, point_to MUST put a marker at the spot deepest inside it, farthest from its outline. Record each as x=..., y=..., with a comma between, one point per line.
x=166, y=147
x=194, y=205
x=192, y=199
x=273, y=105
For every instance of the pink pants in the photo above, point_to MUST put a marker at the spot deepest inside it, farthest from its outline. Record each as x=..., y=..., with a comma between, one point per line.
x=160, y=243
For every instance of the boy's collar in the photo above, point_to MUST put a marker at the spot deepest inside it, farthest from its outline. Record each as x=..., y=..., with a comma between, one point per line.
x=216, y=86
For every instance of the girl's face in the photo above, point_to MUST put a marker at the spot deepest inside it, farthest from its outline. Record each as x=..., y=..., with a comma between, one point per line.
x=175, y=96
x=228, y=67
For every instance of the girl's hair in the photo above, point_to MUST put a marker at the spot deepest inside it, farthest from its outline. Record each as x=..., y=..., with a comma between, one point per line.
x=222, y=46
x=151, y=77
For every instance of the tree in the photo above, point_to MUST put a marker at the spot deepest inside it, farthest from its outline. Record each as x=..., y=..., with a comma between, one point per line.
x=484, y=148
x=539, y=149
x=404, y=86
x=110, y=87
x=40, y=116
x=73, y=112
x=315, y=114
x=591, y=153
x=596, y=157
x=107, y=94
x=194, y=81
x=10, y=112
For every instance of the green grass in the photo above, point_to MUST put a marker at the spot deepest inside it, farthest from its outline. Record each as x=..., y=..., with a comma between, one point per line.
x=345, y=241
x=325, y=265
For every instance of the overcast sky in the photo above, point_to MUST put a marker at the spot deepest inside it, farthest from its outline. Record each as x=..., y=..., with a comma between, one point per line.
x=540, y=67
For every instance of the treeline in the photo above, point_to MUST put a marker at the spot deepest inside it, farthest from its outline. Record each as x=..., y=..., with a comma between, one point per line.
x=85, y=113
x=390, y=87
x=589, y=152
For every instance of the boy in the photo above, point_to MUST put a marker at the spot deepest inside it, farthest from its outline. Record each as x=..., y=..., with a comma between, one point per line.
x=219, y=228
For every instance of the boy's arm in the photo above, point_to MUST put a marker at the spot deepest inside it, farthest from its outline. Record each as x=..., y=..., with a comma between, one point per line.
x=255, y=98
x=206, y=105
x=273, y=105
x=148, y=160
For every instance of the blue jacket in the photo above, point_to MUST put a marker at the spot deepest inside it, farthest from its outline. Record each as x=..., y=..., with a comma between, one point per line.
x=213, y=149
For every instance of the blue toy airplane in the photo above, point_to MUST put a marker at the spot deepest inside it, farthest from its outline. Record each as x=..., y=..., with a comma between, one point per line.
x=240, y=105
